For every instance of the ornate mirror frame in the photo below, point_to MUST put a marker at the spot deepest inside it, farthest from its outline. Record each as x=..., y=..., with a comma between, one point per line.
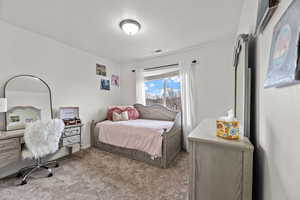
x=30, y=76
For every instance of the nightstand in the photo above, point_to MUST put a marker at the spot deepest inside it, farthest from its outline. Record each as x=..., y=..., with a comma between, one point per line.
x=72, y=137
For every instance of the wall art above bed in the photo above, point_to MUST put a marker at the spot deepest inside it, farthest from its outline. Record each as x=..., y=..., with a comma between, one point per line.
x=100, y=70
x=284, y=57
x=105, y=84
x=115, y=80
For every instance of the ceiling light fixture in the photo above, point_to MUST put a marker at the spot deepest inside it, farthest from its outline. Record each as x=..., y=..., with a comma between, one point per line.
x=130, y=26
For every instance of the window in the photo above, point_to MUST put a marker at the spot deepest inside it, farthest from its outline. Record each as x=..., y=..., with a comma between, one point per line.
x=164, y=89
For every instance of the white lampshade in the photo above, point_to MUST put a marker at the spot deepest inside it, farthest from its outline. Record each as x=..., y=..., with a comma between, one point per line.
x=3, y=105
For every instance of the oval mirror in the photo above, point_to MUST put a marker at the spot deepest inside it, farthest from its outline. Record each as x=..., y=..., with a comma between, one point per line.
x=28, y=100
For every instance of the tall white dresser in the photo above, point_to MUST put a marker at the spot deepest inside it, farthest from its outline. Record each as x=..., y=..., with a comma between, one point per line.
x=219, y=169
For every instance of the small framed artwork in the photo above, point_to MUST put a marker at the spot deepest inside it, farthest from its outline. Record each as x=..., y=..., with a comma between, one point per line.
x=105, y=84
x=283, y=67
x=115, y=80
x=100, y=70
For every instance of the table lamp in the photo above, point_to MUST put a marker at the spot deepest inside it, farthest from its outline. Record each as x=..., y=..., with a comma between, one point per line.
x=3, y=105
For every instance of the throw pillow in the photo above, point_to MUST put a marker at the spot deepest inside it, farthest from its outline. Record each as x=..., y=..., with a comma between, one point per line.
x=120, y=117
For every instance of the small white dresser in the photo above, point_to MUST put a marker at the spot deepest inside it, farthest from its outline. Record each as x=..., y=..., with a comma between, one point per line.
x=72, y=137
x=219, y=169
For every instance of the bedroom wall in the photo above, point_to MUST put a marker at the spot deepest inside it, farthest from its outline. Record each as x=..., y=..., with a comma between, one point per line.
x=276, y=134
x=69, y=72
x=214, y=76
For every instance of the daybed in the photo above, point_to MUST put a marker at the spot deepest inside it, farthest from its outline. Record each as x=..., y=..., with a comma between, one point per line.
x=171, y=139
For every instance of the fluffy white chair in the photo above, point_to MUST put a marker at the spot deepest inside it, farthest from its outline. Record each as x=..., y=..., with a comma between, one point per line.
x=41, y=139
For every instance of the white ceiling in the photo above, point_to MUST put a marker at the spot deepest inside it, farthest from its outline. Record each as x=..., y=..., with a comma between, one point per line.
x=92, y=25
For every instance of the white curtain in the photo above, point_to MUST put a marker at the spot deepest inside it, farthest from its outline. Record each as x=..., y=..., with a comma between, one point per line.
x=140, y=86
x=187, y=74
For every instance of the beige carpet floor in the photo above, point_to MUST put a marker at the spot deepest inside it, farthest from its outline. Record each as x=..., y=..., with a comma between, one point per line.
x=97, y=175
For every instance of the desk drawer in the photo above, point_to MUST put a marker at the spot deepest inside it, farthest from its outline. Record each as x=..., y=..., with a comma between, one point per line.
x=9, y=144
x=72, y=131
x=9, y=156
x=71, y=140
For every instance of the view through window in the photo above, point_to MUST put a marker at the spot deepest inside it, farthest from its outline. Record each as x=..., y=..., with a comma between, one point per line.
x=164, y=91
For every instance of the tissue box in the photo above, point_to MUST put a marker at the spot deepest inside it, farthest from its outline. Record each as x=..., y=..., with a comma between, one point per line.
x=228, y=130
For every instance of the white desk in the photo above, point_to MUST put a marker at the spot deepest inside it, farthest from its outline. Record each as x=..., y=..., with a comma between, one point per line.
x=4, y=135
x=11, y=143
x=10, y=147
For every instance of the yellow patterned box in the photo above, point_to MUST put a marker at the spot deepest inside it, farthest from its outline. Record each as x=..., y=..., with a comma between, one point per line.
x=228, y=130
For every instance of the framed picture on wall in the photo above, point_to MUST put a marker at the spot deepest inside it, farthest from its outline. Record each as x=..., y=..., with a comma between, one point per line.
x=115, y=80
x=105, y=84
x=100, y=70
x=284, y=56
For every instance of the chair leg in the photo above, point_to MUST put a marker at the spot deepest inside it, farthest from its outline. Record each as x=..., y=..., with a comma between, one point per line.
x=24, y=170
x=53, y=162
x=39, y=165
x=24, y=180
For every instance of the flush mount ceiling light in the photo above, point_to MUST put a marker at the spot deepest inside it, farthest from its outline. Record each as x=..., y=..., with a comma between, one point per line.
x=130, y=26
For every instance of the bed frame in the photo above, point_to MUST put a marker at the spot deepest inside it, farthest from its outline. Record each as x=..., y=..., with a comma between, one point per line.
x=171, y=139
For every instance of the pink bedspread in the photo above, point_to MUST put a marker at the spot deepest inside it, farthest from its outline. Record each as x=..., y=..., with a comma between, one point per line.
x=140, y=134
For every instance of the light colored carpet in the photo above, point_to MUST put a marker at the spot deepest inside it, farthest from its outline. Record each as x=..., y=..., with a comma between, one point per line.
x=97, y=175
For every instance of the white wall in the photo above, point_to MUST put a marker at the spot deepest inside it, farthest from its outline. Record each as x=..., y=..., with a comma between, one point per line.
x=214, y=74
x=69, y=72
x=277, y=118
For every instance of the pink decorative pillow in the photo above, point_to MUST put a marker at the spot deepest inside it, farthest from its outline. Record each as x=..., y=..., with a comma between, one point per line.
x=132, y=112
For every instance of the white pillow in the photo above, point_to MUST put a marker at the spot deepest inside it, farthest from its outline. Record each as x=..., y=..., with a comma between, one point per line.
x=116, y=116
x=120, y=117
x=125, y=116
